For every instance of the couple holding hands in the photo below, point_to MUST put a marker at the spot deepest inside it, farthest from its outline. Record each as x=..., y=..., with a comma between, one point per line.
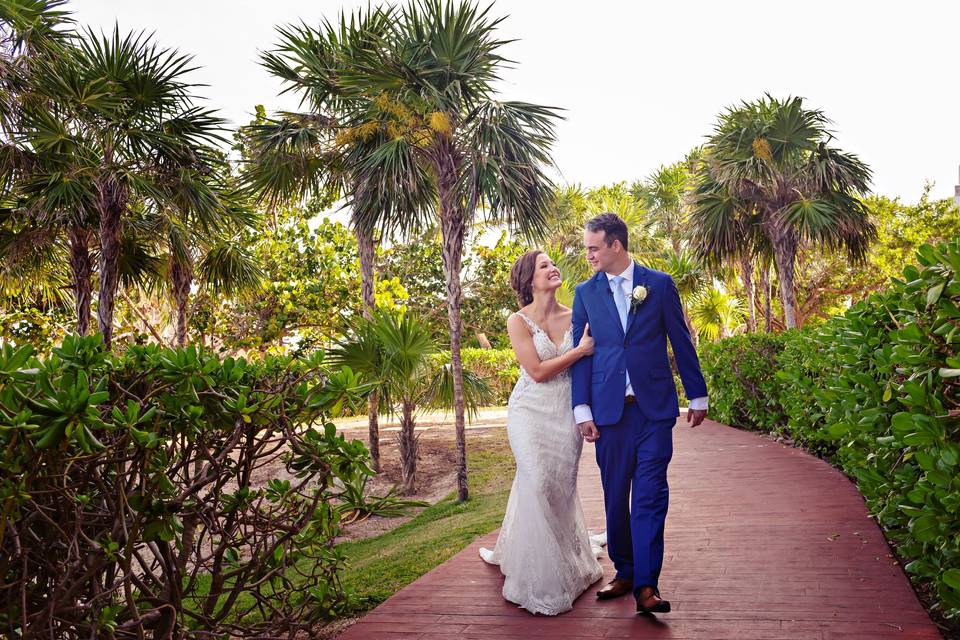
x=601, y=373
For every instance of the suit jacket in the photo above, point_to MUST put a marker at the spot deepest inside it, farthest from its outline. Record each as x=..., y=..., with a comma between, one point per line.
x=600, y=380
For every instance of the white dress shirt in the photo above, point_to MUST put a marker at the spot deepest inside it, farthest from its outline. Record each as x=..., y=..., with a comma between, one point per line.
x=582, y=412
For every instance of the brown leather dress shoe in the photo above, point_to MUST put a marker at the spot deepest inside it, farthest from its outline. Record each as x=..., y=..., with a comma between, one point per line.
x=649, y=601
x=615, y=588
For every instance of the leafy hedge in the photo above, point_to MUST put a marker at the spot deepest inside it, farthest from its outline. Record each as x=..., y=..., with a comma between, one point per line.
x=874, y=391
x=168, y=493
x=498, y=367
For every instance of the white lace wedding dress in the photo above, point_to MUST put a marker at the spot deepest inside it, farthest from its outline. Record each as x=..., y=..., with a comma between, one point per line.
x=544, y=551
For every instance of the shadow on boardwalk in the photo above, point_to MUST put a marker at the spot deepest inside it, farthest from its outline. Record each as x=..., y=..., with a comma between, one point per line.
x=763, y=541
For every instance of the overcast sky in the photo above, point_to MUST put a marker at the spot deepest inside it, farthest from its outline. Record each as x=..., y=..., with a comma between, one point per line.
x=642, y=82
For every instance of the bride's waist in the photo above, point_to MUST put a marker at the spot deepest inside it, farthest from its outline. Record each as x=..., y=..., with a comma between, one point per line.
x=561, y=378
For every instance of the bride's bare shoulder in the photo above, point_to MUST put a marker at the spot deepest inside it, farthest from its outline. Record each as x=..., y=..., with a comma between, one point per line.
x=517, y=320
x=516, y=315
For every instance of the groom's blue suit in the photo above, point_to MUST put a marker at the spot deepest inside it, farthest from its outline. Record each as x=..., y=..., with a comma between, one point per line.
x=636, y=441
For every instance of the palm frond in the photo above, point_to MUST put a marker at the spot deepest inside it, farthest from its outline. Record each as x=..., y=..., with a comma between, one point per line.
x=477, y=392
x=227, y=267
x=688, y=274
x=393, y=190
x=407, y=344
x=360, y=350
x=719, y=223
x=33, y=266
x=510, y=145
x=34, y=25
x=292, y=158
x=138, y=265
x=716, y=314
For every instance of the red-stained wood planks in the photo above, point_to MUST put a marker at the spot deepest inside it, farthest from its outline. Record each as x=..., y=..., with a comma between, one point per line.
x=763, y=541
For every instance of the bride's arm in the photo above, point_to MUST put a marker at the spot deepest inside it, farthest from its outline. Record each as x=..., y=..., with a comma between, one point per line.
x=522, y=342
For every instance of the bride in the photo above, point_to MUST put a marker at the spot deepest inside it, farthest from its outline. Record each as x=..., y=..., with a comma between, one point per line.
x=544, y=550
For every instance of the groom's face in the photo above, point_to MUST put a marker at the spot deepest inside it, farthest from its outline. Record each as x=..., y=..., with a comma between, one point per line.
x=600, y=255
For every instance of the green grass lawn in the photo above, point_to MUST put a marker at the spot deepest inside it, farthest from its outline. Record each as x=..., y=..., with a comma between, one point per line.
x=381, y=566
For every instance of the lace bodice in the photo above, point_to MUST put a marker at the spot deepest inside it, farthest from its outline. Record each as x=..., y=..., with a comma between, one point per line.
x=547, y=349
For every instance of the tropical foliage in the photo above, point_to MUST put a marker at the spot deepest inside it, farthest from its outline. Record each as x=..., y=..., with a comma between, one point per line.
x=439, y=130
x=771, y=184
x=168, y=492
x=826, y=285
x=877, y=392
x=119, y=198
x=106, y=149
x=396, y=355
x=307, y=297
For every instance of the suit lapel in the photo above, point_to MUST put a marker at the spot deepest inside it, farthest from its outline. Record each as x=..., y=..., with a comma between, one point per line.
x=606, y=296
x=639, y=279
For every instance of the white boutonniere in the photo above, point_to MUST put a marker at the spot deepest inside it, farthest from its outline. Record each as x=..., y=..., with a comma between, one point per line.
x=637, y=296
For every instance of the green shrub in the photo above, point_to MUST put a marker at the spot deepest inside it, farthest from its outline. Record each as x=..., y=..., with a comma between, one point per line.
x=875, y=391
x=497, y=366
x=741, y=375
x=158, y=492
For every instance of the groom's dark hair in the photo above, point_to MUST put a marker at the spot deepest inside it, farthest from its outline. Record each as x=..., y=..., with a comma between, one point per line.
x=613, y=227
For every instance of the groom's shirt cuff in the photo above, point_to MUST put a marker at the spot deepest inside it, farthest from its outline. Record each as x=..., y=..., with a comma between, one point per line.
x=582, y=413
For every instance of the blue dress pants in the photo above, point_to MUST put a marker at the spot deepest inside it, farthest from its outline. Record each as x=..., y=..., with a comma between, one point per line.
x=633, y=455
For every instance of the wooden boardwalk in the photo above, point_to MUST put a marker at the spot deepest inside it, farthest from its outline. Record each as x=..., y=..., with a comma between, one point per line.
x=763, y=541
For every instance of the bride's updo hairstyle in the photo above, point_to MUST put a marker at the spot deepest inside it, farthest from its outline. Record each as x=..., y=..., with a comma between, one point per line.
x=521, y=276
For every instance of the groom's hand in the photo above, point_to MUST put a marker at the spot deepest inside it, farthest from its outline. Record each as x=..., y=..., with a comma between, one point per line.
x=695, y=416
x=589, y=431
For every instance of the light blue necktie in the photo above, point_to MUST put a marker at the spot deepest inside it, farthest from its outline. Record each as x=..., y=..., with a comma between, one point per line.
x=620, y=300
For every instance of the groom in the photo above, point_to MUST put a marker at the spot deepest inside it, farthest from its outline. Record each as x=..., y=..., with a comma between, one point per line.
x=625, y=400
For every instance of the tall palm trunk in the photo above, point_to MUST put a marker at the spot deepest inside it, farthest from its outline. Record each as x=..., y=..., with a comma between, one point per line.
x=81, y=268
x=671, y=233
x=453, y=228
x=112, y=201
x=767, y=295
x=367, y=248
x=409, y=443
x=785, y=255
x=181, y=276
x=746, y=273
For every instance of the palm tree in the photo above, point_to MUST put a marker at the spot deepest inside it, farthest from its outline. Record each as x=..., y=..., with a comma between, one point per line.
x=213, y=257
x=397, y=354
x=723, y=230
x=28, y=29
x=435, y=117
x=690, y=277
x=663, y=194
x=716, y=313
x=33, y=243
x=124, y=123
x=323, y=149
x=769, y=165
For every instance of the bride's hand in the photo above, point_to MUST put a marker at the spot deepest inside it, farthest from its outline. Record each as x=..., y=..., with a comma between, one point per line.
x=586, y=341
